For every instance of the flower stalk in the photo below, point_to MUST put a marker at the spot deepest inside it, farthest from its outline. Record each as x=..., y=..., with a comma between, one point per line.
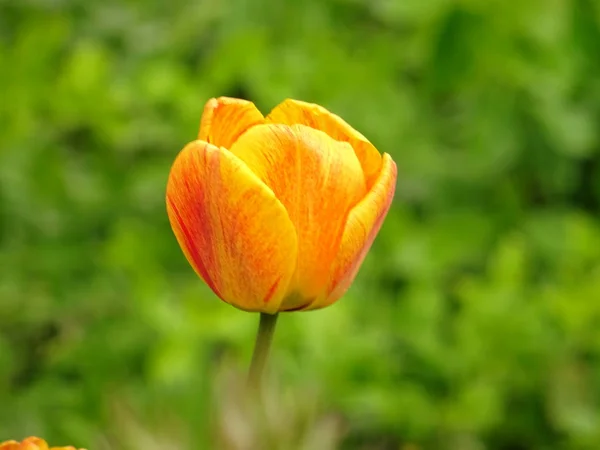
x=262, y=346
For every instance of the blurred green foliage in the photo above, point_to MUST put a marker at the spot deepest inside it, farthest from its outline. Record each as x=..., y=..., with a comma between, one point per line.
x=475, y=321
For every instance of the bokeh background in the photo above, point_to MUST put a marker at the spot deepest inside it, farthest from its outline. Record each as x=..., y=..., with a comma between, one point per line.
x=474, y=323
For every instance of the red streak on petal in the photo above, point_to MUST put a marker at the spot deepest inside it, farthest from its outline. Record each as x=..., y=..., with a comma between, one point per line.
x=301, y=307
x=272, y=291
x=193, y=250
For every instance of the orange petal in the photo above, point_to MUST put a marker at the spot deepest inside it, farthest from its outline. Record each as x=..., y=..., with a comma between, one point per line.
x=318, y=180
x=9, y=445
x=364, y=222
x=33, y=443
x=231, y=227
x=296, y=112
x=224, y=119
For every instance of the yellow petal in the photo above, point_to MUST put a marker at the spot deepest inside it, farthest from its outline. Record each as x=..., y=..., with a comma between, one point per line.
x=296, y=112
x=231, y=227
x=224, y=119
x=318, y=180
x=364, y=222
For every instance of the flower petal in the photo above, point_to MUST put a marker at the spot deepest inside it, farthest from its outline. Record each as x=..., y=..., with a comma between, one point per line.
x=231, y=227
x=291, y=112
x=364, y=222
x=31, y=443
x=224, y=119
x=9, y=445
x=318, y=180
x=34, y=443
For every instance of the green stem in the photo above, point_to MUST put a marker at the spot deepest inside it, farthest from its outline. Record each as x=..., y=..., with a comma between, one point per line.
x=266, y=328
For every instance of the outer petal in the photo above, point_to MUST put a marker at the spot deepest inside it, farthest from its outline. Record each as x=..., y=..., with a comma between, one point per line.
x=224, y=119
x=296, y=112
x=233, y=231
x=364, y=222
x=318, y=180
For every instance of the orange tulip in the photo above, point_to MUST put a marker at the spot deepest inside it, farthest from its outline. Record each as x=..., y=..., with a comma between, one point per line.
x=31, y=443
x=277, y=213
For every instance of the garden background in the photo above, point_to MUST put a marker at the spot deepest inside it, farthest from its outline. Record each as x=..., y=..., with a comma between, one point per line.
x=474, y=323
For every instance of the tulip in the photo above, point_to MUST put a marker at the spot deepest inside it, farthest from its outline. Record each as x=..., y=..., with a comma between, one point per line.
x=277, y=213
x=31, y=443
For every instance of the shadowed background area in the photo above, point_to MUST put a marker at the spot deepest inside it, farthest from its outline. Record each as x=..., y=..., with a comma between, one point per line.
x=475, y=321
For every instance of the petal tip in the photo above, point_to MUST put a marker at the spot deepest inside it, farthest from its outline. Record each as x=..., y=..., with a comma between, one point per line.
x=224, y=119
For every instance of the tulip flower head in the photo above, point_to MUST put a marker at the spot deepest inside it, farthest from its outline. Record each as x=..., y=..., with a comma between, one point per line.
x=31, y=443
x=277, y=213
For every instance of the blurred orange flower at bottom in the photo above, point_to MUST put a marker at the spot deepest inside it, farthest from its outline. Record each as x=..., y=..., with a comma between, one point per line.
x=31, y=443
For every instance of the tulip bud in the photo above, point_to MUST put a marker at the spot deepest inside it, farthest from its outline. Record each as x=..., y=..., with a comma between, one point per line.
x=277, y=213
